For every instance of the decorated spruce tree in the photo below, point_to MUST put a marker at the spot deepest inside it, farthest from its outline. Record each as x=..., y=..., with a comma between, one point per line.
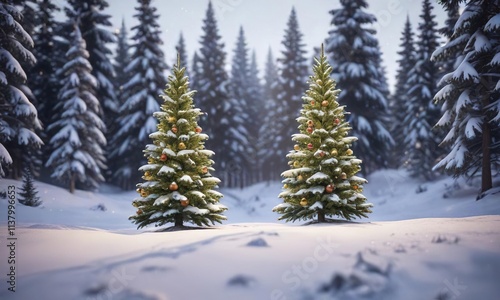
x=177, y=183
x=322, y=179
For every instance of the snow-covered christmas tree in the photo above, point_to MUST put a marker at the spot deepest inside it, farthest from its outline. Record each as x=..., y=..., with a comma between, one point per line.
x=178, y=186
x=322, y=180
x=28, y=195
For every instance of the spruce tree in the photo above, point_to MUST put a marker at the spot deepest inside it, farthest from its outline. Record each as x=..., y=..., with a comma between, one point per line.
x=18, y=116
x=322, y=177
x=406, y=61
x=122, y=60
x=211, y=81
x=28, y=195
x=95, y=26
x=147, y=64
x=178, y=186
x=268, y=133
x=292, y=82
x=356, y=60
x=257, y=112
x=421, y=142
x=180, y=48
x=470, y=98
x=77, y=145
x=238, y=148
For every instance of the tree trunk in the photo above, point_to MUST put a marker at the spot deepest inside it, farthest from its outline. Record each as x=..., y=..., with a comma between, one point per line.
x=72, y=184
x=178, y=220
x=321, y=216
x=486, y=180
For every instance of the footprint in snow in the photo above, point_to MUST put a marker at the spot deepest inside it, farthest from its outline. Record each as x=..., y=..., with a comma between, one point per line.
x=258, y=242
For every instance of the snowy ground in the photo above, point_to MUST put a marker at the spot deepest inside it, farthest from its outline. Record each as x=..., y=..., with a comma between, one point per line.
x=414, y=246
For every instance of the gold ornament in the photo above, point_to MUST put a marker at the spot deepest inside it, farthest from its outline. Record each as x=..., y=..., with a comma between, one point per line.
x=296, y=164
x=184, y=203
x=329, y=188
x=300, y=178
x=163, y=157
x=204, y=170
x=348, y=152
x=343, y=175
x=324, y=103
x=303, y=202
x=285, y=186
x=173, y=186
x=171, y=120
x=310, y=123
x=296, y=147
x=182, y=146
x=144, y=194
x=334, y=152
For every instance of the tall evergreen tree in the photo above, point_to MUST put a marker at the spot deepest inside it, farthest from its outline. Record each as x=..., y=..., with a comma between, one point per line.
x=355, y=57
x=322, y=177
x=238, y=148
x=122, y=60
x=421, y=142
x=178, y=185
x=95, y=27
x=448, y=65
x=18, y=116
x=292, y=83
x=257, y=112
x=180, y=48
x=136, y=122
x=77, y=147
x=471, y=96
x=268, y=134
x=213, y=97
x=44, y=82
x=399, y=101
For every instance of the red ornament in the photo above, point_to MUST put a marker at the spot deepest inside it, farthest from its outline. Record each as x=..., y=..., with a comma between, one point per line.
x=163, y=157
x=173, y=186
x=329, y=188
x=309, y=129
x=337, y=121
x=309, y=146
x=313, y=102
x=174, y=129
x=204, y=170
x=322, y=154
x=198, y=129
x=139, y=212
x=184, y=203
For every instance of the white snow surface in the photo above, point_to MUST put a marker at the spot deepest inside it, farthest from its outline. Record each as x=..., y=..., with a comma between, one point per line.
x=437, y=244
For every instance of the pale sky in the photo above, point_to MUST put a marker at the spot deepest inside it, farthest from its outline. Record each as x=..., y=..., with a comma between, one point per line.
x=264, y=22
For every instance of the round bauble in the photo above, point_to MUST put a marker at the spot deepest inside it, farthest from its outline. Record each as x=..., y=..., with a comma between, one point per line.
x=173, y=186
x=174, y=129
x=309, y=146
x=309, y=129
x=182, y=146
x=198, y=129
x=296, y=164
x=313, y=102
x=204, y=170
x=300, y=178
x=334, y=152
x=322, y=154
x=343, y=175
x=144, y=194
x=310, y=123
x=138, y=191
x=163, y=157
x=336, y=121
x=184, y=203
x=355, y=187
x=285, y=186
x=303, y=202
x=329, y=188
x=139, y=212
x=348, y=152
x=296, y=147
x=324, y=103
